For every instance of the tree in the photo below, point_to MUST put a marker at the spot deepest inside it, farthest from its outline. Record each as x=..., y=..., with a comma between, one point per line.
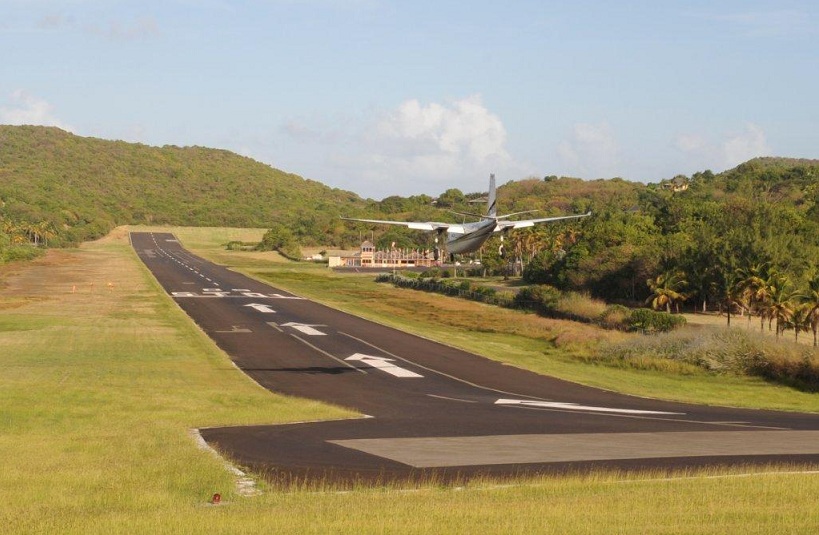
x=451, y=197
x=780, y=305
x=811, y=300
x=799, y=320
x=755, y=287
x=729, y=288
x=280, y=238
x=667, y=290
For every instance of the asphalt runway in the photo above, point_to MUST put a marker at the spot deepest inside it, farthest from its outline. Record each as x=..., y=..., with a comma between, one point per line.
x=433, y=411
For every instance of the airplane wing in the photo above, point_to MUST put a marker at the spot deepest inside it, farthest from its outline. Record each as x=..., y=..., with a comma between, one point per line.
x=505, y=225
x=415, y=225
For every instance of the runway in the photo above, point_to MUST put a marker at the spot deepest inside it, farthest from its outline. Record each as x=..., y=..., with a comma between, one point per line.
x=436, y=411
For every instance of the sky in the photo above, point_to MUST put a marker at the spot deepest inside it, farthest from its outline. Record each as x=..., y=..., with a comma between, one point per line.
x=389, y=97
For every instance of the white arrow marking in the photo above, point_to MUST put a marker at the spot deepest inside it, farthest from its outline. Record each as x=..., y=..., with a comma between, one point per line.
x=306, y=329
x=384, y=365
x=574, y=406
x=261, y=308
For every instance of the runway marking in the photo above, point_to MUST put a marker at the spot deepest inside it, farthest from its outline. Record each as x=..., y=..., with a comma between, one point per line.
x=576, y=407
x=308, y=344
x=436, y=452
x=384, y=364
x=273, y=324
x=655, y=418
x=264, y=309
x=218, y=295
x=453, y=399
x=432, y=370
x=235, y=329
x=309, y=330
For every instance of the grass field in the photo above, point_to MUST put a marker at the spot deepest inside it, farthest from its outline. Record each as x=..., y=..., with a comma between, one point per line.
x=103, y=377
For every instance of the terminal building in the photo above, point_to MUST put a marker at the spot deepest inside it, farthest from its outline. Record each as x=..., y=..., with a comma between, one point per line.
x=369, y=257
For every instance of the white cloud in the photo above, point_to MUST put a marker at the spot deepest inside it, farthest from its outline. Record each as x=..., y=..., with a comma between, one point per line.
x=414, y=148
x=461, y=132
x=592, y=151
x=29, y=109
x=731, y=150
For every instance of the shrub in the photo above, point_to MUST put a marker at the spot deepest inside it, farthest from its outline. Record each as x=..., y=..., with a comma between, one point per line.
x=719, y=350
x=16, y=253
x=615, y=317
x=581, y=306
x=649, y=321
x=541, y=298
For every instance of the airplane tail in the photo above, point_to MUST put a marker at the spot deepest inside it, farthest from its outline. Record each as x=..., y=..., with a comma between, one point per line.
x=491, y=204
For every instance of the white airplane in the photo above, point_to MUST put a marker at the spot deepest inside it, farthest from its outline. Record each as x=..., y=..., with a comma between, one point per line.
x=468, y=237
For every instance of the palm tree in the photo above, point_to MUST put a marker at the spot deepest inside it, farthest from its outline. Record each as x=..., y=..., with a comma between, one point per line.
x=667, y=290
x=755, y=289
x=14, y=230
x=46, y=231
x=729, y=285
x=799, y=320
x=811, y=300
x=780, y=306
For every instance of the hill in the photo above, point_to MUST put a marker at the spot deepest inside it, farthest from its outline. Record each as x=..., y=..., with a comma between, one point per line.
x=762, y=215
x=79, y=188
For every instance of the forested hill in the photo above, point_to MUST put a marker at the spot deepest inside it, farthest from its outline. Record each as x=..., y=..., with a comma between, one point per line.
x=763, y=215
x=81, y=187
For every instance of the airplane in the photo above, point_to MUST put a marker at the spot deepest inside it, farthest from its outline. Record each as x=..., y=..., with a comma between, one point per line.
x=469, y=237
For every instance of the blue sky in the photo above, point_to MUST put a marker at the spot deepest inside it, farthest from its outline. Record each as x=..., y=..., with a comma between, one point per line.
x=383, y=97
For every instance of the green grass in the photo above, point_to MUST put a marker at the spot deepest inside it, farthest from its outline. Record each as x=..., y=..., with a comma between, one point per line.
x=99, y=391
x=101, y=386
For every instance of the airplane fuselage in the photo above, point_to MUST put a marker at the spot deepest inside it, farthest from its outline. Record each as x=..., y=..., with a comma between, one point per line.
x=474, y=235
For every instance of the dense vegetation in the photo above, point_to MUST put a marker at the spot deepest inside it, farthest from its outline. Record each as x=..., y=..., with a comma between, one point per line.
x=544, y=300
x=57, y=188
